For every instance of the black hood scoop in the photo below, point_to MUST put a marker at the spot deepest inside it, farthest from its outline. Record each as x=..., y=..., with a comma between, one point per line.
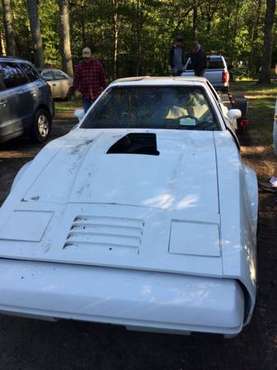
x=135, y=143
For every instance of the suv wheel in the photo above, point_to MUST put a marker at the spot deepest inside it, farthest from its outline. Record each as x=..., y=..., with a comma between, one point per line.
x=41, y=126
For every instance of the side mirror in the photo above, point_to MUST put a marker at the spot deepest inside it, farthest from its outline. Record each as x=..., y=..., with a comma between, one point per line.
x=234, y=114
x=79, y=113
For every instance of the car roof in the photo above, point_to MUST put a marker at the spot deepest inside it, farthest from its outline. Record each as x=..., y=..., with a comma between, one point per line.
x=147, y=80
x=215, y=56
x=43, y=70
x=13, y=59
x=51, y=69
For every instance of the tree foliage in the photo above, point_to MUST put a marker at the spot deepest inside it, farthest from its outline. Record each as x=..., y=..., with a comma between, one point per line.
x=133, y=37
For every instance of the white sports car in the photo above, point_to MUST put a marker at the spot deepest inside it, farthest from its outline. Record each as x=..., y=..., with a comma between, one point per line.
x=143, y=215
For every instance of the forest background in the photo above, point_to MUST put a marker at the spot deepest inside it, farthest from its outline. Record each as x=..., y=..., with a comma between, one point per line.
x=133, y=37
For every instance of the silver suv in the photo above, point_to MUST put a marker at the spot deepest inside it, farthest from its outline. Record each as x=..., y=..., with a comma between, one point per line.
x=26, y=104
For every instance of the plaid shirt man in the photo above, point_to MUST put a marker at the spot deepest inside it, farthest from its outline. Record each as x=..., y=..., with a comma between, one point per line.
x=89, y=78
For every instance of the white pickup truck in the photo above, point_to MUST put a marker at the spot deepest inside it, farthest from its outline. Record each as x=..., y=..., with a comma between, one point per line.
x=216, y=72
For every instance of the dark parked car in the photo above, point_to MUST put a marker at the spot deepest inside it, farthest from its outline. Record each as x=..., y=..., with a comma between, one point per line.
x=26, y=104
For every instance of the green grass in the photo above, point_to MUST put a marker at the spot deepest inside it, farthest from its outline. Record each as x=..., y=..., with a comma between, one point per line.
x=67, y=106
x=261, y=104
x=260, y=114
x=252, y=88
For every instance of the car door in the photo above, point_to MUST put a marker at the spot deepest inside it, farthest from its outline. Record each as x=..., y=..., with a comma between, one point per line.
x=5, y=118
x=48, y=76
x=27, y=94
x=31, y=91
x=62, y=83
x=13, y=105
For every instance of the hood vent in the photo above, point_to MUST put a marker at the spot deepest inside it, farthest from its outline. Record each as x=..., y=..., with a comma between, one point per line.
x=135, y=143
x=108, y=234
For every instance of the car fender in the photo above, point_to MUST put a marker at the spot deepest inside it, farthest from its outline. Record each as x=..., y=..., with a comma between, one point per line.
x=251, y=186
x=249, y=215
x=20, y=174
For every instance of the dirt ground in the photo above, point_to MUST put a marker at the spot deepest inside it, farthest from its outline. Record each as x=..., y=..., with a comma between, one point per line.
x=31, y=344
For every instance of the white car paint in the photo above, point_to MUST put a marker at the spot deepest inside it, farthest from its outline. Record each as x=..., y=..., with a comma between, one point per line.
x=163, y=242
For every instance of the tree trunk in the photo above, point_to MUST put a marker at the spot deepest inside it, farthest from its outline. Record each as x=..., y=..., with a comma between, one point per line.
x=9, y=31
x=267, y=54
x=2, y=44
x=254, y=35
x=138, y=30
x=65, y=37
x=83, y=26
x=194, y=22
x=32, y=6
x=115, y=32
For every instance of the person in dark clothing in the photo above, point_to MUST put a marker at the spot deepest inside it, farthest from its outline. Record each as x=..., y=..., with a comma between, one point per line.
x=177, y=57
x=198, y=60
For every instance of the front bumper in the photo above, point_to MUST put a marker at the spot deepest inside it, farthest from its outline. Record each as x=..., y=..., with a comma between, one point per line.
x=144, y=300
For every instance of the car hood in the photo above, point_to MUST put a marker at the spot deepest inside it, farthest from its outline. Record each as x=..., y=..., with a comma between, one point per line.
x=77, y=204
x=81, y=171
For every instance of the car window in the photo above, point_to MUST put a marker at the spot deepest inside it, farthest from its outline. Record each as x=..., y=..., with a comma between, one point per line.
x=12, y=75
x=216, y=96
x=215, y=63
x=59, y=75
x=158, y=107
x=212, y=63
x=47, y=75
x=29, y=71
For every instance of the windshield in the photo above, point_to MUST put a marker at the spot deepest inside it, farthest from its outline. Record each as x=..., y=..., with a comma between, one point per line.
x=157, y=107
x=215, y=63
